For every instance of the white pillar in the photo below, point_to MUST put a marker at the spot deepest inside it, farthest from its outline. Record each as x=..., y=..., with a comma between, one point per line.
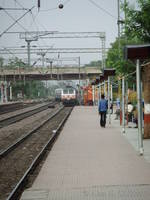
x=109, y=117
x=111, y=94
x=139, y=103
x=93, y=94
x=5, y=92
x=10, y=90
x=123, y=105
x=2, y=92
x=100, y=91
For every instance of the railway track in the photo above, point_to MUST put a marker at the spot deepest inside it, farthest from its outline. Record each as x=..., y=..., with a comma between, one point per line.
x=8, y=108
x=17, y=117
x=21, y=158
x=18, y=141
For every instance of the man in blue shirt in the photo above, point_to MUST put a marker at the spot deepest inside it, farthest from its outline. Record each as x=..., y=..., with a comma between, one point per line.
x=102, y=108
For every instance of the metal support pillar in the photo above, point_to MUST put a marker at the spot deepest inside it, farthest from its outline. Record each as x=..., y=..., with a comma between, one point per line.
x=109, y=117
x=51, y=66
x=24, y=80
x=79, y=82
x=29, y=40
x=127, y=101
x=123, y=105
x=29, y=62
x=104, y=89
x=57, y=73
x=99, y=94
x=118, y=22
x=5, y=92
x=103, y=52
x=139, y=101
x=43, y=59
x=79, y=72
x=111, y=97
x=28, y=51
x=111, y=94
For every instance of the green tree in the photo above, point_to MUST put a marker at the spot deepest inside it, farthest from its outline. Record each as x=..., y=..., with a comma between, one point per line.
x=136, y=31
x=1, y=62
x=29, y=89
x=94, y=64
x=138, y=21
x=15, y=62
x=115, y=58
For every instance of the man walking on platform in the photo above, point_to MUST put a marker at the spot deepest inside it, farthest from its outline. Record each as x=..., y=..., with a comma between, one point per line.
x=102, y=108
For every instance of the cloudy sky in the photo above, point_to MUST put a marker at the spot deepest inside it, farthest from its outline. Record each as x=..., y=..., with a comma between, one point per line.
x=77, y=15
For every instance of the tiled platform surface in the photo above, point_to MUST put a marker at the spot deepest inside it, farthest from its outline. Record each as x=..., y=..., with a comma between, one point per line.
x=88, y=159
x=130, y=192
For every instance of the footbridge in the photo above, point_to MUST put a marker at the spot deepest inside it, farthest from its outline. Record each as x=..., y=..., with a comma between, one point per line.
x=47, y=73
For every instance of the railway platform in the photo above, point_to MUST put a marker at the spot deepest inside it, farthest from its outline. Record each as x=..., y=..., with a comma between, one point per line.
x=90, y=162
x=9, y=103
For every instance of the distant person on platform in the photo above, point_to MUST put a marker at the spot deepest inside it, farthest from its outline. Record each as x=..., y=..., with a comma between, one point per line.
x=117, y=108
x=102, y=108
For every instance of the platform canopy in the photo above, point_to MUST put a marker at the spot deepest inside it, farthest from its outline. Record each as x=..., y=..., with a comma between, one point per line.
x=109, y=72
x=104, y=76
x=134, y=52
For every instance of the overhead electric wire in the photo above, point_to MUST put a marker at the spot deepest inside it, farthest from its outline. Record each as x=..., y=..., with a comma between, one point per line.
x=33, y=20
x=104, y=10
x=15, y=20
x=10, y=52
x=19, y=4
x=1, y=8
x=36, y=22
x=16, y=2
x=22, y=8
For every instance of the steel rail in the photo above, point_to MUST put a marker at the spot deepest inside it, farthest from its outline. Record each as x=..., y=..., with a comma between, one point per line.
x=20, y=140
x=10, y=107
x=21, y=184
x=17, y=117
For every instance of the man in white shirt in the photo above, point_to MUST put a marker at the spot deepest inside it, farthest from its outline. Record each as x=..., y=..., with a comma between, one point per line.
x=130, y=111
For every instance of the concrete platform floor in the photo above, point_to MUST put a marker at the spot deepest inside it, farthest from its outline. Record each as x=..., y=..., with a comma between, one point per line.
x=86, y=156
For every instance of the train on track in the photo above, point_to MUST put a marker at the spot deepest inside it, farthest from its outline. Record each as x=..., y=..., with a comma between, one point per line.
x=67, y=95
x=71, y=96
